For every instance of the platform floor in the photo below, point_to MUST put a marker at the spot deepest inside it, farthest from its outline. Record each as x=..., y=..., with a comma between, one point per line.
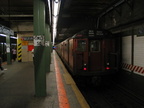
x=17, y=87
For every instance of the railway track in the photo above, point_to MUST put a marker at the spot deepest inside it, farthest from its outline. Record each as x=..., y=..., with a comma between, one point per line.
x=110, y=95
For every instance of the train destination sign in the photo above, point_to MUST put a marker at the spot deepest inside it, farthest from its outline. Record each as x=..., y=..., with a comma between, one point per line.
x=91, y=33
x=99, y=33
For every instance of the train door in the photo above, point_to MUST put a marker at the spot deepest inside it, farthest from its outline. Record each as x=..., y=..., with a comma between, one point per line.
x=113, y=53
x=81, y=54
x=3, y=51
x=95, y=55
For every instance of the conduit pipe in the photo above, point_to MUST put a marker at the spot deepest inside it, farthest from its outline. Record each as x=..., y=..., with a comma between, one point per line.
x=109, y=9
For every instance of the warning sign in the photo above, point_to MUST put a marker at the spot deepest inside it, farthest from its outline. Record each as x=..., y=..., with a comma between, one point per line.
x=39, y=40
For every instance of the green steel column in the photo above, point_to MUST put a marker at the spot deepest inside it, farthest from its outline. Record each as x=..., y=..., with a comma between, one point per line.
x=39, y=50
x=50, y=45
x=47, y=47
x=8, y=49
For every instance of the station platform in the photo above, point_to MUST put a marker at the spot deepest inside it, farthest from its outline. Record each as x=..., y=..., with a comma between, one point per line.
x=17, y=88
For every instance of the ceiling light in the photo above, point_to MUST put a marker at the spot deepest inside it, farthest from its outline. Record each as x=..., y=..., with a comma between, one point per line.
x=55, y=13
x=3, y=35
x=55, y=20
x=56, y=9
x=13, y=37
x=49, y=10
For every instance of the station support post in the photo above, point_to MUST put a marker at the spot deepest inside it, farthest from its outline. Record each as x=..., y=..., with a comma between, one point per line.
x=47, y=46
x=8, y=50
x=39, y=49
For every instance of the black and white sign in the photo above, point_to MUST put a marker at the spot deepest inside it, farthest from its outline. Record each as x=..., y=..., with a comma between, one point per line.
x=39, y=40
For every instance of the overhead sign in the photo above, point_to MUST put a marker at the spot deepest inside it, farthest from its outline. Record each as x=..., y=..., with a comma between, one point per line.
x=6, y=30
x=27, y=38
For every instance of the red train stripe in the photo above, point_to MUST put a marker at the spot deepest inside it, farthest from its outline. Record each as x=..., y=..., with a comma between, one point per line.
x=62, y=96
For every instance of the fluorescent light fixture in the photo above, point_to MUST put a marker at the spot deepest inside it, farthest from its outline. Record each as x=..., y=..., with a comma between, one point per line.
x=13, y=37
x=13, y=44
x=56, y=0
x=3, y=35
x=55, y=20
x=54, y=30
x=49, y=10
x=56, y=8
x=54, y=26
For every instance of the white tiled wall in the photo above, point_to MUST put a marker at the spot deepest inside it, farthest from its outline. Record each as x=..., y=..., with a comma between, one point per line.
x=139, y=51
x=126, y=49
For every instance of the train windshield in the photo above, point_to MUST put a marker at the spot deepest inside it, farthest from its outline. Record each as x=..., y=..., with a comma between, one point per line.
x=94, y=45
x=81, y=45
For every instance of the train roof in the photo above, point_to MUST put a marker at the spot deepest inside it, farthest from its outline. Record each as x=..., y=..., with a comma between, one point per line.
x=93, y=33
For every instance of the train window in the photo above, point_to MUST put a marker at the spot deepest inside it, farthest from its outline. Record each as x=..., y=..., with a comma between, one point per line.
x=94, y=45
x=81, y=45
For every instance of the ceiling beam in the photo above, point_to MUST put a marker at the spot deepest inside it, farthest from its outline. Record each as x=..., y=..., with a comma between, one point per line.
x=16, y=16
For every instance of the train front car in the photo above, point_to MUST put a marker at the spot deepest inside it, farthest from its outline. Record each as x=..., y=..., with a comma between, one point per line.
x=93, y=53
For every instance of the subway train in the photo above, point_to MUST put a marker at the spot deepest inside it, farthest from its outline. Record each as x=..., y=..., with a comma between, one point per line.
x=89, y=53
x=13, y=43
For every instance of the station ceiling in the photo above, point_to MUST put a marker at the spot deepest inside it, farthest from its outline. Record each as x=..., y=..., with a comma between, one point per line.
x=74, y=16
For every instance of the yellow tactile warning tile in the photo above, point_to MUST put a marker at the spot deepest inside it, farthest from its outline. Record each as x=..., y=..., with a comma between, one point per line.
x=68, y=79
